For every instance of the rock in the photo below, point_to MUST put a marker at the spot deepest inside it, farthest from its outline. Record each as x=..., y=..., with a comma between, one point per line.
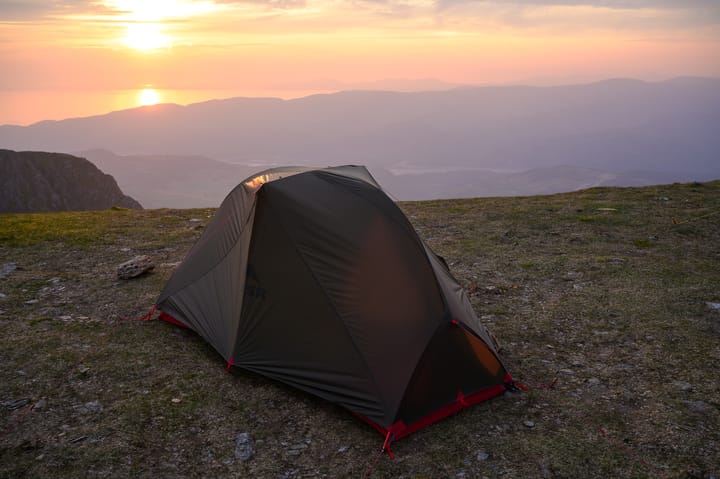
x=15, y=403
x=683, y=386
x=529, y=424
x=713, y=306
x=40, y=405
x=343, y=449
x=176, y=400
x=135, y=267
x=94, y=406
x=32, y=301
x=6, y=269
x=194, y=220
x=244, y=446
x=3, y=296
x=697, y=406
x=482, y=456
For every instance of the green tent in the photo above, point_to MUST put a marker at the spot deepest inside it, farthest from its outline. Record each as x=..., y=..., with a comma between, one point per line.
x=315, y=278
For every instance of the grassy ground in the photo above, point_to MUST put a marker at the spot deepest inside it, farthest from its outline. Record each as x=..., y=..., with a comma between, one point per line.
x=605, y=289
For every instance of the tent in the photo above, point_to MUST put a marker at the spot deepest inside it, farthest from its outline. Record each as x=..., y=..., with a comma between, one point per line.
x=315, y=278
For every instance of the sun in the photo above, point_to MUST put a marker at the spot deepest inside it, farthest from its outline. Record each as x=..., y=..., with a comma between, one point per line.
x=147, y=21
x=146, y=37
x=149, y=96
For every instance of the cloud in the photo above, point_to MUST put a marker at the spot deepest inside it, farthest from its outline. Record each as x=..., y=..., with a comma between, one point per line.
x=639, y=15
x=38, y=10
x=613, y=4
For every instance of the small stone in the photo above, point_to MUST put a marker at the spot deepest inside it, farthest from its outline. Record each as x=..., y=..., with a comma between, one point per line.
x=135, y=267
x=170, y=265
x=593, y=381
x=713, y=306
x=94, y=406
x=683, y=386
x=244, y=446
x=2, y=295
x=194, y=220
x=529, y=424
x=15, y=403
x=697, y=406
x=65, y=318
x=32, y=301
x=343, y=449
x=298, y=446
x=54, y=280
x=176, y=400
x=567, y=372
x=482, y=456
x=6, y=269
x=40, y=405
x=461, y=475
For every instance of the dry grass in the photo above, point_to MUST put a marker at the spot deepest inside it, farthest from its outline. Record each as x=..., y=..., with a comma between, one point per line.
x=605, y=289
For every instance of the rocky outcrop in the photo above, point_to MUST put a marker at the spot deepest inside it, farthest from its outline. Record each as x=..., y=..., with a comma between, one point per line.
x=32, y=181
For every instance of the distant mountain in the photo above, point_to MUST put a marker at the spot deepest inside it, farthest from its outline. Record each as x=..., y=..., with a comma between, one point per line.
x=425, y=185
x=32, y=181
x=167, y=181
x=668, y=129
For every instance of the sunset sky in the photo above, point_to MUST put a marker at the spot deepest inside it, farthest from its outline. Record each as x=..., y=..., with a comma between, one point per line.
x=82, y=48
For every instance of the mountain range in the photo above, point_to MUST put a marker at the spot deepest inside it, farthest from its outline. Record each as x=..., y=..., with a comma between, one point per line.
x=466, y=141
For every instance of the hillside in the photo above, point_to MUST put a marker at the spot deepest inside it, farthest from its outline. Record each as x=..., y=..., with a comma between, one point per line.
x=614, y=291
x=32, y=181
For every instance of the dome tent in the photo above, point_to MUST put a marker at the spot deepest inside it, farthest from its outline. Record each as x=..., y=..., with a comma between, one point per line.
x=315, y=277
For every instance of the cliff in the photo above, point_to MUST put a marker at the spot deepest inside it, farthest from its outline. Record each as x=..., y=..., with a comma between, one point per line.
x=32, y=181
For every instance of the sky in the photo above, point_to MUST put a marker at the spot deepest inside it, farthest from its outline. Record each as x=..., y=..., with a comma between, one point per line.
x=82, y=47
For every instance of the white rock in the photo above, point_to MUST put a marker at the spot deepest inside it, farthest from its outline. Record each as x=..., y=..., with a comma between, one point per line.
x=135, y=267
x=713, y=306
x=244, y=446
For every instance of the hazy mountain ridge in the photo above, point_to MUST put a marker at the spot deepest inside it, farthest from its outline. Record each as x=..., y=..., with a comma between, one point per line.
x=166, y=181
x=162, y=181
x=32, y=181
x=666, y=129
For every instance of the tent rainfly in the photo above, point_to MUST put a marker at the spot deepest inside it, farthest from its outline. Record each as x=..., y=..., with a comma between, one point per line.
x=315, y=278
